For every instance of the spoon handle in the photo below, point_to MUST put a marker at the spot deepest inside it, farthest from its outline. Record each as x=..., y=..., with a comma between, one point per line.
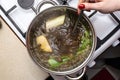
x=80, y=16
x=79, y=19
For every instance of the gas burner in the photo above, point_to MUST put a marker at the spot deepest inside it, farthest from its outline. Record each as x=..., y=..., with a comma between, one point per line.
x=27, y=4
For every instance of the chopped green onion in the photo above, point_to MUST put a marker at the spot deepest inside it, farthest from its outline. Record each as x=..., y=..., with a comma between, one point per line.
x=53, y=63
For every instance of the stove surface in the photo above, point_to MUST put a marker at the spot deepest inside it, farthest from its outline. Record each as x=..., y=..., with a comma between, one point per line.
x=107, y=26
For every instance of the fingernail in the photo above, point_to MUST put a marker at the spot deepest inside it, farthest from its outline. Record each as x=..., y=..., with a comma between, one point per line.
x=81, y=6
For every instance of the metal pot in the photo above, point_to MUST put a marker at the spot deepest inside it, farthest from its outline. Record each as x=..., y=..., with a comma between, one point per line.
x=53, y=12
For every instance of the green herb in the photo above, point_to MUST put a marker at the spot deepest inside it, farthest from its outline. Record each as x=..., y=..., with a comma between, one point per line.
x=85, y=41
x=65, y=58
x=53, y=63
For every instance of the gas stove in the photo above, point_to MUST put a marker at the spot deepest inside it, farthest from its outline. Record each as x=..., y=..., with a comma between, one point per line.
x=19, y=16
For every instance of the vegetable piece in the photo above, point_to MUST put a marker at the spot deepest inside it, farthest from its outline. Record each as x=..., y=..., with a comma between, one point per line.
x=44, y=45
x=85, y=42
x=53, y=63
x=55, y=22
x=65, y=58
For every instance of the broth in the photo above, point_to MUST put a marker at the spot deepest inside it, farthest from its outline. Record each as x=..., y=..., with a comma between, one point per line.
x=68, y=49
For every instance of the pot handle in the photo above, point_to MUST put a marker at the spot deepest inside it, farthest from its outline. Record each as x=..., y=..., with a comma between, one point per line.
x=45, y=2
x=77, y=78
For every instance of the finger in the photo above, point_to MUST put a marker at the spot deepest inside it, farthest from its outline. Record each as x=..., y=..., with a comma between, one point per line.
x=93, y=6
x=78, y=11
x=84, y=1
x=92, y=1
x=80, y=1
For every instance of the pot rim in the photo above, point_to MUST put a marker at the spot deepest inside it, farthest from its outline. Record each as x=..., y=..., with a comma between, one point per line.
x=81, y=66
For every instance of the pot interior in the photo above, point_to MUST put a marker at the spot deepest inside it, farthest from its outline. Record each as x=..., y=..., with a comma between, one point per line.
x=52, y=44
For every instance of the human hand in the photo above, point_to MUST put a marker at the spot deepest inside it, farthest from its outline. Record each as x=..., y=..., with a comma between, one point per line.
x=104, y=6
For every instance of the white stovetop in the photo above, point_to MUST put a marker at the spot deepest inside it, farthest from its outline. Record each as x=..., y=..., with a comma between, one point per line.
x=102, y=23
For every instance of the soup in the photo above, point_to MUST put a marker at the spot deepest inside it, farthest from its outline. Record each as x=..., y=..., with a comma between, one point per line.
x=58, y=48
x=67, y=50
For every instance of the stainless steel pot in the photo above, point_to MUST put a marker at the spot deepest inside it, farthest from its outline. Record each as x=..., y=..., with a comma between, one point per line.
x=52, y=12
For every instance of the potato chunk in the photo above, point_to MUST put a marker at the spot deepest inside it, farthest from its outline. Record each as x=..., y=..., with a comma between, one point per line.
x=55, y=22
x=44, y=45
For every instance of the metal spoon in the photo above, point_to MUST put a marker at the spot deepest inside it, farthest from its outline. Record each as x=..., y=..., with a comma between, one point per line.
x=27, y=4
x=79, y=19
x=80, y=16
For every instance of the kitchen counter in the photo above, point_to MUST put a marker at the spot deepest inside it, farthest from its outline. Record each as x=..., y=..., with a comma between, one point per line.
x=15, y=62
